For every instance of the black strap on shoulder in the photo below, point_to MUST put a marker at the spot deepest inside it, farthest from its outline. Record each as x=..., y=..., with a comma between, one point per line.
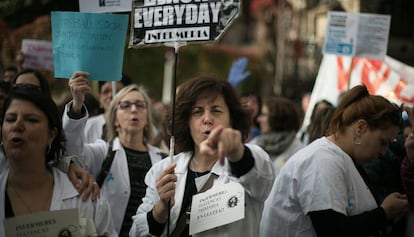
x=106, y=166
x=163, y=155
x=182, y=219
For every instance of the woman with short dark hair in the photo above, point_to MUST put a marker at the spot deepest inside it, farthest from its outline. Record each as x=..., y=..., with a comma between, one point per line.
x=33, y=140
x=211, y=128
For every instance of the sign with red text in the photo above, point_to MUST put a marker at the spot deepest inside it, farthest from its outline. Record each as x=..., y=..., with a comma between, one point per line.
x=38, y=54
x=166, y=21
x=389, y=78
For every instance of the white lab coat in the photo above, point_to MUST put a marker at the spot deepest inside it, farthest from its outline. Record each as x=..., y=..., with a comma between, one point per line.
x=257, y=184
x=65, y=196
x=93, y=128
x=116, y=187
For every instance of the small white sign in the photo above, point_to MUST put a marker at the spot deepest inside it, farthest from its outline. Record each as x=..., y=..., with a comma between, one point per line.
x=38, y=54
x=217, y=206
x=100, y=6
x=357, y=35
x=45, y=224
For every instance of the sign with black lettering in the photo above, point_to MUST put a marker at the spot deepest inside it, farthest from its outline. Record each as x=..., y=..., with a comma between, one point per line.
x=45, y=224
x=182, y=21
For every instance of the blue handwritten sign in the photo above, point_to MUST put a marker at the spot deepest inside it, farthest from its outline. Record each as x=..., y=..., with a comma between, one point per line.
x=91, y=42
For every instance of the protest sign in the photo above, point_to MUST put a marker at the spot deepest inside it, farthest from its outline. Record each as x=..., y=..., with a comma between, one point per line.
x=91, y=42
x=99, y=6
x=166, y=21
x=37, y=54
x=220, y=205
x=45, y=224
x=357, y=35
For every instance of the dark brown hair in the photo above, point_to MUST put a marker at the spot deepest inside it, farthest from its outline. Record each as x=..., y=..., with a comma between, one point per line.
x=357, y=104
x=189, y=92
x=43, y=82
x=319, y=125
x=45, y=103
x=284, y=114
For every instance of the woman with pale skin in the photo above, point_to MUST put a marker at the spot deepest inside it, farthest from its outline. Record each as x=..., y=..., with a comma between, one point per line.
x=130, y=133
x=33, y=139
x=210, y=129
x=94, y=128
x=279, y=122
x=323, y=189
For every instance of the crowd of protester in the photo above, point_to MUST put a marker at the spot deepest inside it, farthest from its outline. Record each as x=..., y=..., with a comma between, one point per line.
x=348, y=173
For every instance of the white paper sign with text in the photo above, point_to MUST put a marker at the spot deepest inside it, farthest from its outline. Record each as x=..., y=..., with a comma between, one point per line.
x=217, y=206
x=357, y=35
x=100, y=6
x=45, y=224
x=38, y=54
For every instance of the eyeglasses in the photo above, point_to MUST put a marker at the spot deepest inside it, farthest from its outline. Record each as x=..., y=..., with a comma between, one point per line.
x=127, y=105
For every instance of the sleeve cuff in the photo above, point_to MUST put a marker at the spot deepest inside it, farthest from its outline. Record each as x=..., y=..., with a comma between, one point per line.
x=74, y=115
x=155, y=228
x=64, y=163
x=244, y=165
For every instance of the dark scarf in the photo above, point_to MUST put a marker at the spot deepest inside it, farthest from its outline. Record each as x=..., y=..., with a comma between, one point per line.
x=276, y=143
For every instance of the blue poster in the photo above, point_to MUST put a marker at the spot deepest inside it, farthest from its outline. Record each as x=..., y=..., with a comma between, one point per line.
x=91, y=42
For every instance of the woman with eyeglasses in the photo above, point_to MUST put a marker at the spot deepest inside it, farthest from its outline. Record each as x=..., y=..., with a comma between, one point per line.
x=129, y=132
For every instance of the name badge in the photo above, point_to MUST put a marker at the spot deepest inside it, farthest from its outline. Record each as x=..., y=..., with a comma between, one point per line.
x=220, y=205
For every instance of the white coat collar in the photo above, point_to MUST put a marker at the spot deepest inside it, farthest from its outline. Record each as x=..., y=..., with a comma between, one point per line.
x=63, y=189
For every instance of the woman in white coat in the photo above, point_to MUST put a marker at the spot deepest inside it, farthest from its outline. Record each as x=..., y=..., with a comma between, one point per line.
x=210, y=125
x=33, y=140
x=323, y=189
x=129, y=131
x=81, y=179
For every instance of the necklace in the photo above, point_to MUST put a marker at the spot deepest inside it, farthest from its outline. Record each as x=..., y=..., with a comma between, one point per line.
x=25, y=204
x=195, y=169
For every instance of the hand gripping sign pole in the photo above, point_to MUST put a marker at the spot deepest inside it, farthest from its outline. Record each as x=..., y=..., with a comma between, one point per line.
x=175, y=23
